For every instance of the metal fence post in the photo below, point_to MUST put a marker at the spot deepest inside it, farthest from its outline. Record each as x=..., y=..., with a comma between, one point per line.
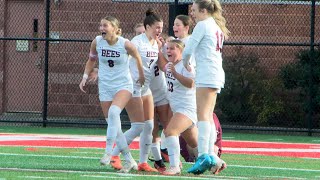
x=311, y=65
x=46, y=66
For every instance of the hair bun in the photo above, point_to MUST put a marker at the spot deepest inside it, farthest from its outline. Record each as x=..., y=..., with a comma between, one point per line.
x=150, y=12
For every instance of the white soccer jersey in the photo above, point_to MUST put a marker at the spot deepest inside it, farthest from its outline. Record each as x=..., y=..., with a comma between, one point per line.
x=149, y=56
x=178, y=95
x=192, y=59
x=207, y=40
x=113, y=64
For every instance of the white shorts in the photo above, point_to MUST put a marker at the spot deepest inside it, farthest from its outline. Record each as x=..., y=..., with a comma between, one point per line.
x=190, y=113
x=215, y=85
x=108, y=95
x=139, y=91
x=160, y=97
x=160, y=102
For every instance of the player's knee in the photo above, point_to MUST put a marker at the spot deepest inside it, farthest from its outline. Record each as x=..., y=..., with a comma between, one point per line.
x=114, y=112
x=148, y=126
x=170, y=132
x=137, y=127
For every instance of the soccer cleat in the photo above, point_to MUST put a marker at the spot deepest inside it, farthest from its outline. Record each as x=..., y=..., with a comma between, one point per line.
x=128, y=166
x=146, y=167
x=202, y=164
x=160, y=166
x=105, y=160
x=164, y=155
x=172, y=171
x=116, y=162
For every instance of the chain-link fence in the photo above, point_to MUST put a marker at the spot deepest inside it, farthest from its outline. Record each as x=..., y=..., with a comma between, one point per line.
x=271, y=60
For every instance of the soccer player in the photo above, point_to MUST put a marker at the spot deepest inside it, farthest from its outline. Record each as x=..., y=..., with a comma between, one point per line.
x=141, y=107
x=182, y=100
x=115, y=83
x=206, y=41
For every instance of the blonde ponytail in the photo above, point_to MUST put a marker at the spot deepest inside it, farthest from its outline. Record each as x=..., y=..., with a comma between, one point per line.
x=220, y=20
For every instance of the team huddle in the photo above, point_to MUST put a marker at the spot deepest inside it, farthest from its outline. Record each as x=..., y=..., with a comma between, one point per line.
x=174, y=81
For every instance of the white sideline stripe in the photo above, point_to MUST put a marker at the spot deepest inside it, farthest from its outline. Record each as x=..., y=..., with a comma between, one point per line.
x=52, y=137
x=16, y=136
x=315, y=149
x=41, y=177
x=273, y=168
x=84, y=157
x=283, y=177
x=53, y=156
x=57, y=147
x=202, y=177
x=271, y=150
x=91, y=176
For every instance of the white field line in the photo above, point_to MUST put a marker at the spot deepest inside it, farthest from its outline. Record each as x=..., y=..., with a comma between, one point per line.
x=282, y=177
x=51, y=156
x=58, y=147
x=104, y=177
x=39, y=177
x=313, y=150
x=59, y=137
x=84, y=157
x=202, y=177
x=271, y=150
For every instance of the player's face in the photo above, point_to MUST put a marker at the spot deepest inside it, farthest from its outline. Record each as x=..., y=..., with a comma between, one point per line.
x=106, y=28
x=180, y=31
x=155, y=29
x=196, y=13
x=139, y=30
x=173, y=52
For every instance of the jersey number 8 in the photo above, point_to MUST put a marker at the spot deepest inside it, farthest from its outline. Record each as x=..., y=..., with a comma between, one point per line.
x=111, y=63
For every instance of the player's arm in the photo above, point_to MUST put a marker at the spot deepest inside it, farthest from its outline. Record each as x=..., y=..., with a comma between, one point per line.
x=186, y=78
x=90, y=64
x=132, y=50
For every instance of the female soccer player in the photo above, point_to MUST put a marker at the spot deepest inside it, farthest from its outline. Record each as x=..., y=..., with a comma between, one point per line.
x=115, y=82
x=206, y=41
x=182, y=100
x=140, y=108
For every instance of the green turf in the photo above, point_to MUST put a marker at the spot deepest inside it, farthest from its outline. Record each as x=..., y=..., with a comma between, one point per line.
x=83, y=163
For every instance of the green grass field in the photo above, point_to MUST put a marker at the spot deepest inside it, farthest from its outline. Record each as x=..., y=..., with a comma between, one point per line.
x=18, y=162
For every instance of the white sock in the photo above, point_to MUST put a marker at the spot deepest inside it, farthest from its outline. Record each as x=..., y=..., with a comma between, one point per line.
x=203, y=137
x=212, y=138
x=155, y=149
x=163, y=144
x=146, y=140
x=123, y=145
x=114, y=125
x=173, y=150
x=130, y=134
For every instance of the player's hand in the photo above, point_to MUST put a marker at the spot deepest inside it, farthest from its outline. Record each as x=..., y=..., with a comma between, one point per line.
x=82, y=84
x=141, y=80
x=160, y=41
x=93, y=76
